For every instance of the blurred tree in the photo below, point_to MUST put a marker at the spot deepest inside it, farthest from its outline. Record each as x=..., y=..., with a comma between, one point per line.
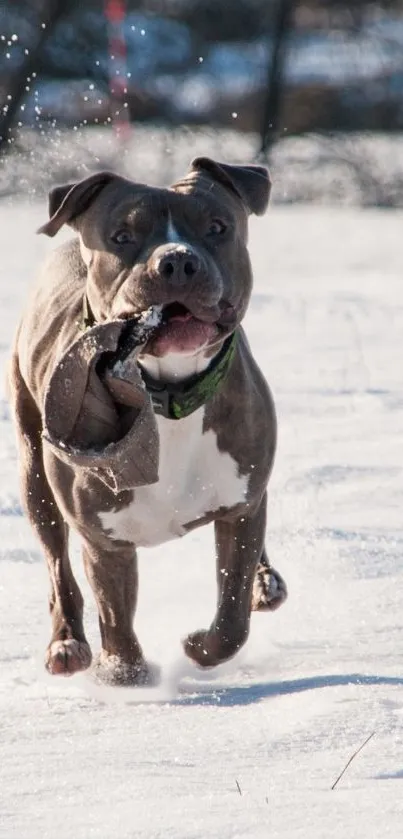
x=220, y=20
x=279, y=33
x=49, y=13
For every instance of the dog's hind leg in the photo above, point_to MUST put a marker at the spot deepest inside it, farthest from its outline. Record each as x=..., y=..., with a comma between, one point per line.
x=68, y=650
x=269, y=589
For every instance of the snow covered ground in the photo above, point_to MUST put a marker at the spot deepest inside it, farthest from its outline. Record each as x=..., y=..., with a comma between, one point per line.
x=253, y=748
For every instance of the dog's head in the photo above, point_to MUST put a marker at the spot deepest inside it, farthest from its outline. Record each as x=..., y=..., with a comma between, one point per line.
x=182, y=248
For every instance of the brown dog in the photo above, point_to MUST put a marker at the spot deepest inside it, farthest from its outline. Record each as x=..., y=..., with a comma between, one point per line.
x=182, y=252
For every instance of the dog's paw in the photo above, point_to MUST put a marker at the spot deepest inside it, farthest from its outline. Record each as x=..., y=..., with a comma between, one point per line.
x=63, y=658
x=208, y=649
x=269, y=589
x=112, y=670
x=196, y=647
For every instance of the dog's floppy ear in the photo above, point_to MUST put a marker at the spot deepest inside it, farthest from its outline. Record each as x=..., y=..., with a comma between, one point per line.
x=68, y=201
x=250, y=183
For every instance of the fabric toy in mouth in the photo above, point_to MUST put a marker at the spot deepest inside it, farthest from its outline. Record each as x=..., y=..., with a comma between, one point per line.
x=97, y=412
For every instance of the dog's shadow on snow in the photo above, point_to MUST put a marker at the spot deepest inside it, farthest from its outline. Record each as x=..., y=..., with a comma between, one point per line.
x=226, y=697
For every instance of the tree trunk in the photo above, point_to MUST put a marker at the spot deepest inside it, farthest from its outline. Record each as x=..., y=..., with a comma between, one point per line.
x=275, y=76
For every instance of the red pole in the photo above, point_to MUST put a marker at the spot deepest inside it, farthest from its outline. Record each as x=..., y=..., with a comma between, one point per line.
x=115, y=12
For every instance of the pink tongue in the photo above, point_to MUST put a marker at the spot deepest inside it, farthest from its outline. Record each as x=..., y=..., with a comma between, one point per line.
x=182, y=333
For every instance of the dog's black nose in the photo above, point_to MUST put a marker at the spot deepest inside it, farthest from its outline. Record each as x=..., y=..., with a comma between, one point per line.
x=178, y=264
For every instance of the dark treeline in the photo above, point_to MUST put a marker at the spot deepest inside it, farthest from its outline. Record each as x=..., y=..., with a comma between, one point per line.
x=277, y=65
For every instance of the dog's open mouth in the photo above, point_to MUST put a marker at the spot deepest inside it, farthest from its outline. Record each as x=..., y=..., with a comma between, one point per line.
x=180, y=331
x=175, y=312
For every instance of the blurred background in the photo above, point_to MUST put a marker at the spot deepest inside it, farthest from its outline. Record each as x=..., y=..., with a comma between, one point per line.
x=313, y=87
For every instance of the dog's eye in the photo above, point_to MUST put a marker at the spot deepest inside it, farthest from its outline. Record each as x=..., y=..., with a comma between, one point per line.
x=123, y=237
x=216, y=228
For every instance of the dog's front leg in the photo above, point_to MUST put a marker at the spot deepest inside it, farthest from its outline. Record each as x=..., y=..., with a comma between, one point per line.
x=239, y=547
x=68, y=650
x=112, y=573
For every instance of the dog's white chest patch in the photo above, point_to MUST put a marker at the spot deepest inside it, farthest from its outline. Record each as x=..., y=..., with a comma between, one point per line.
x=195, y=478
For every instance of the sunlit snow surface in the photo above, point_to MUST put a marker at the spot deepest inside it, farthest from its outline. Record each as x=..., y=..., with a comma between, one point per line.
x=250, y=749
